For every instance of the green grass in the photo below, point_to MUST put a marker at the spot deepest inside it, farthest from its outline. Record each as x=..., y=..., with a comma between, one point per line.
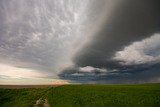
x=142, y=95
x=20, y=97
x=147, y=95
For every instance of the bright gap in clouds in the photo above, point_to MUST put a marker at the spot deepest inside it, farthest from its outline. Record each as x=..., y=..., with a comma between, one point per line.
x=140, y=52
x=15, y=72
x=16, y=76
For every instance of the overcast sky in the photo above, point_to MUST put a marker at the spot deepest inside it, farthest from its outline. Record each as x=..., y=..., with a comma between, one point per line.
x=82, y=41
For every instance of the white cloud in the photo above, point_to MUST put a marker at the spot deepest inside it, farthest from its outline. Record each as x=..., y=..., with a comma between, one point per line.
x=140, y=52
x=90, y=69
x=78, y=74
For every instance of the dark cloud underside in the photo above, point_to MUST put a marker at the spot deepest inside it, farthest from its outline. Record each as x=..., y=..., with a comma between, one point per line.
x=130, y=21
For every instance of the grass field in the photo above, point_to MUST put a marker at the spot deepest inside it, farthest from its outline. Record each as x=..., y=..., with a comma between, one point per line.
x=141, y=95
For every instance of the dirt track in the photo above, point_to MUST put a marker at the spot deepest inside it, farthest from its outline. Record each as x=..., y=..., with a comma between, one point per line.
x=41, y=103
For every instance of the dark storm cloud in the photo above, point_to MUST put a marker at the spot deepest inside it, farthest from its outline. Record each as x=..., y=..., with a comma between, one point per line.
x=132, y=74
x=130, y=21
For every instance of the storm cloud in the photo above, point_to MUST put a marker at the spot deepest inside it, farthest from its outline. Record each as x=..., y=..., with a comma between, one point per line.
x=43, y=36
x=133, y=26
x=86, y=41
x=131, y=21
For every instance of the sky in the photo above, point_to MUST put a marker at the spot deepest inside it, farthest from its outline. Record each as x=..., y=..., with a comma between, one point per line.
x=79, y=41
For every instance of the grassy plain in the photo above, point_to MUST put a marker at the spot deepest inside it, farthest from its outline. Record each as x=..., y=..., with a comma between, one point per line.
x=131, y=95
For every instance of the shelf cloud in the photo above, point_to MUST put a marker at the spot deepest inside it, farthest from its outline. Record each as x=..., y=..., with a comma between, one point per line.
x=127, y=45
